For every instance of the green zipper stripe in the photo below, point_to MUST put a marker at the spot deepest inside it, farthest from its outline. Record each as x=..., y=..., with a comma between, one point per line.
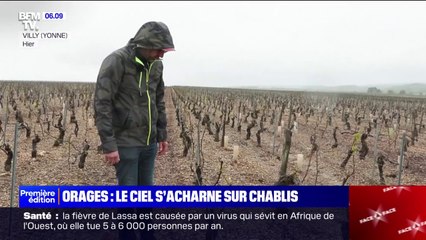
x=140, y=80
x=140, y=75
x=149, y=105
x=149, y=102
x=139, y=61
x=147, y=93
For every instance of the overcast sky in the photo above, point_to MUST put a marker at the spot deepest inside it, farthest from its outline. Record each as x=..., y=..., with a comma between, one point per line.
x=225, y=44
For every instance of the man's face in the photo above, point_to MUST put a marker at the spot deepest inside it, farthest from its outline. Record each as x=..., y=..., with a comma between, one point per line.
x=152, y=54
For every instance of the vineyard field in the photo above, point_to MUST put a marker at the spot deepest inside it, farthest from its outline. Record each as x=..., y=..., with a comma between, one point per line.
x=284, y=138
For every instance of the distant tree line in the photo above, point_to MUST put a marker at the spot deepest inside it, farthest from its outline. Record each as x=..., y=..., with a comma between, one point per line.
x=375, y=90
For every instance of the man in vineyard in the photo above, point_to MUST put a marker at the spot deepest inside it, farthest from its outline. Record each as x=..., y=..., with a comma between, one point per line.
x=129, y=104
x=130, y=109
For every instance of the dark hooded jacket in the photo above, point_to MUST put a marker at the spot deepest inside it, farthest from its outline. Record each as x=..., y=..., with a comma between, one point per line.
x=129, y=96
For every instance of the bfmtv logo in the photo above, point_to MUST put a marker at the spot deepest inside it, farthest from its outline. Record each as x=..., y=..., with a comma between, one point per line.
x=377, y=216
x=29, y=20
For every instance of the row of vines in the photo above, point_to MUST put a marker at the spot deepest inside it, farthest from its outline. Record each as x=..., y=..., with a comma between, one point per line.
x=56, y=116
x=355, y=136
x=301, y=138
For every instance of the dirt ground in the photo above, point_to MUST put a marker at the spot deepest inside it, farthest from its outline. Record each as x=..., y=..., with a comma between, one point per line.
x=254, y=165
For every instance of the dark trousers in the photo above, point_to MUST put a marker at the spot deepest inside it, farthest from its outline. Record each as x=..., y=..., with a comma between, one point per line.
x=136, y=167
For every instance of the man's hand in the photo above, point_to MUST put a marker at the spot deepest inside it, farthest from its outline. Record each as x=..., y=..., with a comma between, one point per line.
x=163, y=147
x=112, y=158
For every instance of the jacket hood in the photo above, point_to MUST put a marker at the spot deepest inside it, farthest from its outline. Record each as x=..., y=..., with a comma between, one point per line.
x=153, y=35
